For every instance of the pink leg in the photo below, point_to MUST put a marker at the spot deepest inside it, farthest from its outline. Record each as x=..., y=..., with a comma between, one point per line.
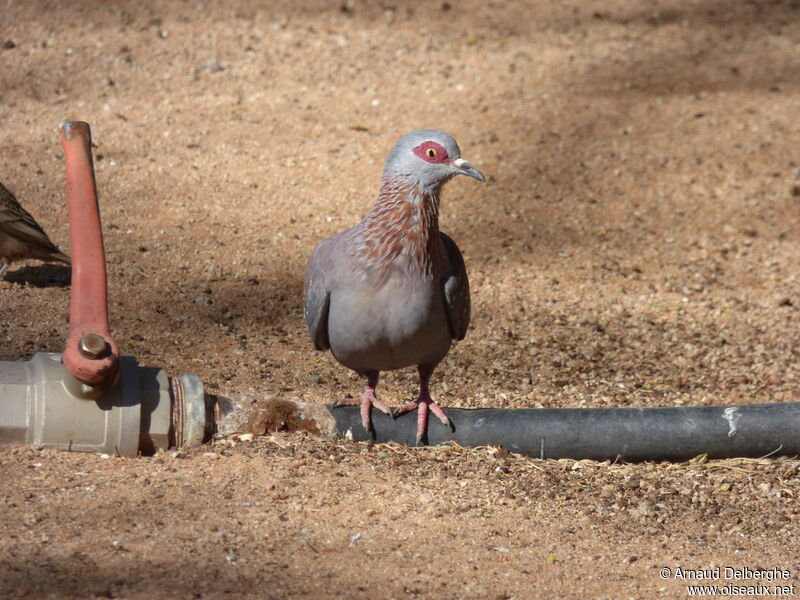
x=422, y=405
x=366, y=401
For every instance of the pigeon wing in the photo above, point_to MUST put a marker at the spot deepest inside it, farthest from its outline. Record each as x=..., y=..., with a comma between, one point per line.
x=317, y=295
x=456, y=289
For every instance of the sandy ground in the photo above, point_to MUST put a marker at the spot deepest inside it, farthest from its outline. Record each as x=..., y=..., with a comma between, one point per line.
x=637, y=244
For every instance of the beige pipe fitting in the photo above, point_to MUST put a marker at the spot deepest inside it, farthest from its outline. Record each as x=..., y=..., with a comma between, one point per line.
x=42, y=404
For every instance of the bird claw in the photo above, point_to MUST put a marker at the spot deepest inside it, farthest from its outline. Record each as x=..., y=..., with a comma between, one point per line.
x=348, y=400
x=369, y=428
x=440, y=414
x=422, y=436
x=383, y=408
x=366, y=402
x=404, y=408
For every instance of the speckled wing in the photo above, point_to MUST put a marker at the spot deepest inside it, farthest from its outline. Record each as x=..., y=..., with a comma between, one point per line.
x=456, y=289
x=17, y=223
x=317, y=295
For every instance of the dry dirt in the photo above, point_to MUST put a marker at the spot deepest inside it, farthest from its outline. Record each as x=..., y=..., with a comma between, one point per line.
x=637, y=244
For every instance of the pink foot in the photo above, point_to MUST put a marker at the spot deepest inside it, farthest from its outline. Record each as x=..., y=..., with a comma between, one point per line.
x=423, y=405
x=366, y=401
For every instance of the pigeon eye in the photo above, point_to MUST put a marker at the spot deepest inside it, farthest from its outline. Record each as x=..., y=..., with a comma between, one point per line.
x=431, y=152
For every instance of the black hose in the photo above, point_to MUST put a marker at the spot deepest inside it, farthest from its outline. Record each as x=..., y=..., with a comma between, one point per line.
x=633, y=434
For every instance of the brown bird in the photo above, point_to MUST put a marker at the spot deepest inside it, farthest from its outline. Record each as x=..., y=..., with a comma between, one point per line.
x=21, y=237
x=392, y=292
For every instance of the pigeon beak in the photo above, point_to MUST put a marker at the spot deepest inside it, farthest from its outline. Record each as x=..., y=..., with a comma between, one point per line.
x=464, y=168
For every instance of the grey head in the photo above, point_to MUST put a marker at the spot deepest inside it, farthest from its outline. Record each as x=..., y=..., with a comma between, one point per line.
x=428, y=158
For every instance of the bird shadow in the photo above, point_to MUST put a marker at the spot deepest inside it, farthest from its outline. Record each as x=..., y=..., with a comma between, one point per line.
x=41, y=276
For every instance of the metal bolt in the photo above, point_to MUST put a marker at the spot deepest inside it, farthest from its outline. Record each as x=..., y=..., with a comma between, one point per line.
x=94, y=346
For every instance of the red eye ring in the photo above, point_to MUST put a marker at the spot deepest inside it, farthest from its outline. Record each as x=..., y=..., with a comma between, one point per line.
x=431, y=152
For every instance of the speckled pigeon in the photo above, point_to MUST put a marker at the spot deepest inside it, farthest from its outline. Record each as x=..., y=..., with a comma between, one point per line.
x=392, y=292
x=21, y=237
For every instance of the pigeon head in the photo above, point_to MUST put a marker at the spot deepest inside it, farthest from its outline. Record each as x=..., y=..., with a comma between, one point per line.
x=427, y=159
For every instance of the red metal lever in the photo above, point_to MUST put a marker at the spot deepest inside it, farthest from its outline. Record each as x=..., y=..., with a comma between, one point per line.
x=91, y=355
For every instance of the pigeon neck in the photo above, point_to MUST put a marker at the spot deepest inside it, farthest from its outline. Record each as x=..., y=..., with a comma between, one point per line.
x=403, y=226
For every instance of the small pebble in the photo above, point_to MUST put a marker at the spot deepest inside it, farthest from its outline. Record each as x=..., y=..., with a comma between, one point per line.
x=212, y=65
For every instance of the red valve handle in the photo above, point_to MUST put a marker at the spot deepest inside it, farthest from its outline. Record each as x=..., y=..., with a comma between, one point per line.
x=91, y=355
